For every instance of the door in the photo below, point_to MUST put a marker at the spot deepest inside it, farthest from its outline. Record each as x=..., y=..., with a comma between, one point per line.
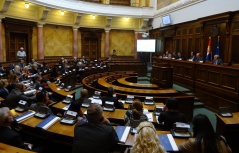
x=90, y=48
x=17, y=40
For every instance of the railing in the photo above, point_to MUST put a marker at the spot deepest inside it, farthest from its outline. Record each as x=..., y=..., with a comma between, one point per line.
x=136, y=3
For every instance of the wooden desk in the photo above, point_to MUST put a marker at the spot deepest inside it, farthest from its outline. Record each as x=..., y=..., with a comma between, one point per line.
x=125, y=81
x=148, y=107
x=208, y=81
x=229, y=128
x=1, y=99
x=226, y=123
x=130, y=138
x=118, y=114
x=61, y=92
x=147, y=92
x=4, y=148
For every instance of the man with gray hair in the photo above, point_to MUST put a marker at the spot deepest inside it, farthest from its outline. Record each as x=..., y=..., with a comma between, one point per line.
x=217, y=60
x=94, y=134
x=7, y=135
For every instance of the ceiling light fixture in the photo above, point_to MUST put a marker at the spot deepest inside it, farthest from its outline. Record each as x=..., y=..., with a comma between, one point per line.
x=127, y=19
x=93, y=16
x=26, y=5
x=62, y=12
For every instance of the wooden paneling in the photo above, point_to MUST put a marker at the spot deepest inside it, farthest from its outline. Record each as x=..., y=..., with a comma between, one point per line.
x=214, y=85
x=194, y=36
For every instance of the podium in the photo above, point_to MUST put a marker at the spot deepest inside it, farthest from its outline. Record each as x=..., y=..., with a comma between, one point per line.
x=162, y=75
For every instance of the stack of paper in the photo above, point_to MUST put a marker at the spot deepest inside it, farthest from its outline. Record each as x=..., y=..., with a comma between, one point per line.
x=24, y=116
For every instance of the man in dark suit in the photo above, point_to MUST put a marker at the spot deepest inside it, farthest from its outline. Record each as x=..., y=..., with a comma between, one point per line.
x=94, y=134
x=171, y=114
x=7, y=135
x=199, y=58
x=217, y=60
x=16, y=95
x=110, y=97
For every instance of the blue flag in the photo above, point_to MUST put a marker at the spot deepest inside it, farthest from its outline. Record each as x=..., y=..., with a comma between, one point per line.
x=218, y=46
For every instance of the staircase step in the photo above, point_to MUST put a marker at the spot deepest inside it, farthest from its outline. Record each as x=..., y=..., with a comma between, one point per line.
x=198, y=105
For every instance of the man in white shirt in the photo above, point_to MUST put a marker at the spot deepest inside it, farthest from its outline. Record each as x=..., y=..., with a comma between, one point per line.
x=21, y=54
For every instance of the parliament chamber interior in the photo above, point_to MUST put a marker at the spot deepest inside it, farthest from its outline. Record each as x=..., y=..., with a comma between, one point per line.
x=78, y=52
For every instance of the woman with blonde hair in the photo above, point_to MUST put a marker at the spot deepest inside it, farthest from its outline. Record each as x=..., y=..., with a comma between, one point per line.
x=146, y=140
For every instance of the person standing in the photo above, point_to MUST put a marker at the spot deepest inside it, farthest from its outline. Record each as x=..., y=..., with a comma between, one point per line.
x=21, y=54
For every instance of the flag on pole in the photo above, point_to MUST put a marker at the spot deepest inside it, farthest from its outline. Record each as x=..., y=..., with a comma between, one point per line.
x=218, y=46
x=209, y=56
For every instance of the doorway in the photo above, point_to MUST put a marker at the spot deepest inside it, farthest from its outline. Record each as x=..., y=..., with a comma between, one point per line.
x=17, y=40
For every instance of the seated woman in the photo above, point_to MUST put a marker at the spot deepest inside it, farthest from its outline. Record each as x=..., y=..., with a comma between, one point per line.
x=171, y=114
x=25, y=73
x=3, y=91
x=76, y=105
x=146, y=140
x=204, y=138
x=42, y=98
x=136, y=113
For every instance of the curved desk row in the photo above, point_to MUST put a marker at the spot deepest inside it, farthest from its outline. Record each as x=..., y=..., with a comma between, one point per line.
x=128, y=82
x=148, y=92
x=66, y=132
x=4, y=148
x=185, y=102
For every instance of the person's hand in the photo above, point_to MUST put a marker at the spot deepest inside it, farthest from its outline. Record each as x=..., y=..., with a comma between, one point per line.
x=29, y=145
x=105, y=120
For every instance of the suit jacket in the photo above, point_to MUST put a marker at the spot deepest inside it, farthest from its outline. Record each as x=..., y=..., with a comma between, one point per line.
x=3, y=93
x=75, y=106
x=217, y=62
x=15, y=96
x=11, y=137
x=169, y=118
x=117, y=104
x=199, y=59
x=93, y=138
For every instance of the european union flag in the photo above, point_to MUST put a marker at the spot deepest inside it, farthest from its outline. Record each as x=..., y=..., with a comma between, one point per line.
x=218, y=46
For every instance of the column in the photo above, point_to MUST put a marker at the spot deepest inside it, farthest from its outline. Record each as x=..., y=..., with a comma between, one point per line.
x=107, y=43
x=75, y=43
x=40, y=42
x=1, y=40
x=135, y=45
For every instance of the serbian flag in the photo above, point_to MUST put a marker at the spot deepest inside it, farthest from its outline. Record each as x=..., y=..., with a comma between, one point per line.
x=209, y=53
x=218, y=46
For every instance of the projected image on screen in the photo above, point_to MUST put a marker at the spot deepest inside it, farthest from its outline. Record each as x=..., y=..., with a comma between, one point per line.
x=146, y=45
x=166, y=20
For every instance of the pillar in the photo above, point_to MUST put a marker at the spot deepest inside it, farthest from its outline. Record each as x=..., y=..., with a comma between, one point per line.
x=40, y=42
x=107, y=43
x=1, y=40
x=75, y=43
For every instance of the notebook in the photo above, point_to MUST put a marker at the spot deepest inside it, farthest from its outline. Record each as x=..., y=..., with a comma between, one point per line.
x=167, y=141
x=48, y=122
x=24, y=116
x=122, y=133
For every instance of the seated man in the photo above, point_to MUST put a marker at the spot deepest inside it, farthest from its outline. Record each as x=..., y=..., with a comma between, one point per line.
x=94, y=134
x=7, y=135
x=199, y=58
x=180, y=56
x=192, y=57
x=171, y=114
x=110, y=98
x=217, y=60
x=16, y=95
